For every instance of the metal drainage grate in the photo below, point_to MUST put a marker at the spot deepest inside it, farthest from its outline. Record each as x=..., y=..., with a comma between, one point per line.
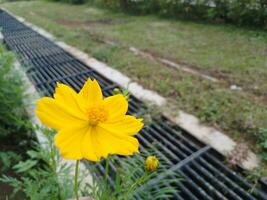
x=204, y=174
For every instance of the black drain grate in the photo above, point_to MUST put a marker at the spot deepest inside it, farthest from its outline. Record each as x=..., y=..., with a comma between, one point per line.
x=202, y=169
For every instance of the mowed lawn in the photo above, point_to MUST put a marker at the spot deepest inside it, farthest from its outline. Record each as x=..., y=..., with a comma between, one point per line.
x=236, y=56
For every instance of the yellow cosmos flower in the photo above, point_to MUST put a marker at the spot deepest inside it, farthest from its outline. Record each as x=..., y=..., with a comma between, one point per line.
x=151, y=163
x=89, y=126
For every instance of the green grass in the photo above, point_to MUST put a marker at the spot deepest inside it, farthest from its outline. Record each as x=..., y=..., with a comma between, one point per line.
x=238, y=55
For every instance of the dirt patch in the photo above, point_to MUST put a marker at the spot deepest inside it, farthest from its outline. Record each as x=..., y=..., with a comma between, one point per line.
x=87, y=23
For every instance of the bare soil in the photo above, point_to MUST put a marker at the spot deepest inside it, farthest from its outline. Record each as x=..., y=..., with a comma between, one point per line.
x=87, y=23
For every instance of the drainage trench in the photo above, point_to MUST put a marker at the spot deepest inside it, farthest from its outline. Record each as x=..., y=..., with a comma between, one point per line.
x=203, y=172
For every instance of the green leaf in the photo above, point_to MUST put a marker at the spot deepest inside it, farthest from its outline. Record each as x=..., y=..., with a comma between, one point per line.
x=264, y=156
x=33, y=154
x=25, y=166
x=264, y=144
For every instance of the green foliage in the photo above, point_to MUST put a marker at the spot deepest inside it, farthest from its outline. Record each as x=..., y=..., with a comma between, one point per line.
x=8, y=159
x=124, y=92
x=262, y=135
x=15, y=130
x=10, y=95
x=127, y=184
x=70, y=1
x=40, y=176
x=4, y=1
x=244, y=12
x=12, y=110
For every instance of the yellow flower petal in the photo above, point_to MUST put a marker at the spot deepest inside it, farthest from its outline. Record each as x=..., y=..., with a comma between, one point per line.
x=89, y=147
x=117, y=106
x=76, y=144
x=55, y=115
x=91, y=93
x=128, y=125
x=68, y=98
x=114, y=144
x=68, y=141
x=101, y=151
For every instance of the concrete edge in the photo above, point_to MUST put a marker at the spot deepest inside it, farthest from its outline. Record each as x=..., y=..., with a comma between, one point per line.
x=208, y=135
x=110, y=73
x=1, y=37
x=216, y=139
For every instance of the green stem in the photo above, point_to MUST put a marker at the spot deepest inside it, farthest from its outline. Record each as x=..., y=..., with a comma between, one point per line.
x=134, y=185
x=54, y=165
x=76, y=180
x=53, y=155
x=107, y=170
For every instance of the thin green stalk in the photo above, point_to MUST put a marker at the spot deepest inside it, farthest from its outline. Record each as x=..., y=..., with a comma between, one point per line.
x=134, y=185
x=76, y=180
x=107, y=170
x=54, y=165
x=53, y=157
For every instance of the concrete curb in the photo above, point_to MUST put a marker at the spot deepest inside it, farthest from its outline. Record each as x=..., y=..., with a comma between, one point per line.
x=208, y=135
x=1, y=37
x=115, y=76
x=216, y=139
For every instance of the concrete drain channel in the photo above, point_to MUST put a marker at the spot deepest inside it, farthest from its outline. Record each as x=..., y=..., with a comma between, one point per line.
x=203, y=172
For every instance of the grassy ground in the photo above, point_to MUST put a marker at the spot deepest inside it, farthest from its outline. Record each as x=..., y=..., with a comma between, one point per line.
x=236, y=56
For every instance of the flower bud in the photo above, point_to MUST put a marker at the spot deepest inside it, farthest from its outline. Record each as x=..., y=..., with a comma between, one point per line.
x=151, y=163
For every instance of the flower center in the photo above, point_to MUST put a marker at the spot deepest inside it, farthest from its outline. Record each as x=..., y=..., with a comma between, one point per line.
x=96, y=114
